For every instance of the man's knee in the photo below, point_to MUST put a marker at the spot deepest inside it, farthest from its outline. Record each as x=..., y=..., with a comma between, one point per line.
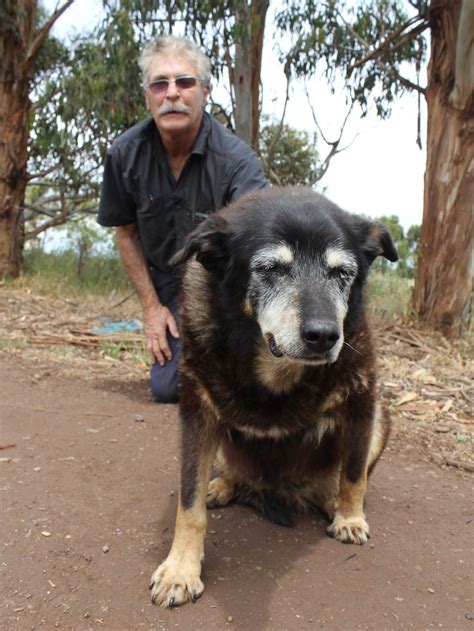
x=164, y=382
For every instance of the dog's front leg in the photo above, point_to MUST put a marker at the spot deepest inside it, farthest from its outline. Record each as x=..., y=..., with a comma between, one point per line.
x=177, y=580
x=349, y=524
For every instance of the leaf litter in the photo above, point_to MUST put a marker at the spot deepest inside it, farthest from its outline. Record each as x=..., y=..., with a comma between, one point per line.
x=426, y=380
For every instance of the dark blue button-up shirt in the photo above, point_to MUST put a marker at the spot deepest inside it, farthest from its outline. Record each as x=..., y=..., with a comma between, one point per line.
x=139, y=187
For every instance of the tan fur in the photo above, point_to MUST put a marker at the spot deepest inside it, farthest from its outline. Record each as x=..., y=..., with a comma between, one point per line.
x=321, y=492
x=195, y=291
x=349, y=529
x=284, y=253
x=325, y=424
x=277, y=374
x=247, y=307
x=177, y=579
x=377, y=438
x=204, y=396
x=333, y=400
x=349, y=525
x=351, y=497
x=220, y=492
x=360, y=382
x=270, y=432
x=206, y=400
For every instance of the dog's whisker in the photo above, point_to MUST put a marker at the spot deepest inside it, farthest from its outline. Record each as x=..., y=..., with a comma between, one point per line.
x=352, y=348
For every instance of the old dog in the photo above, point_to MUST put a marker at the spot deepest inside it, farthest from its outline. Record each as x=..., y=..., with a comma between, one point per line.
x=278, y=384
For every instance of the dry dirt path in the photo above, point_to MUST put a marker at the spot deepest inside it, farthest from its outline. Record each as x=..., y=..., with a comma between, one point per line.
x=88, y=496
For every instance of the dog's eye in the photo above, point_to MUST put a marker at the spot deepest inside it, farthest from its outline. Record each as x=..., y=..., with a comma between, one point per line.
x=343, y=274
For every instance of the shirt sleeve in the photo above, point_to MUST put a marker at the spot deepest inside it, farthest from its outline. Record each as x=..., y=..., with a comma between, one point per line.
x=247, y=176
x=117, y=206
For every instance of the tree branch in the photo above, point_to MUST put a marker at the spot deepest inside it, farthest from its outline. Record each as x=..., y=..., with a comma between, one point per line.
x=59, y=220
x=44, y=32
x=230, y=69
x=333, y=144
x=32, y=176
x=385, y=44
x=390, y=70
x=278, y=131
x=34, y=209
x=221, y=112
x=271, y=173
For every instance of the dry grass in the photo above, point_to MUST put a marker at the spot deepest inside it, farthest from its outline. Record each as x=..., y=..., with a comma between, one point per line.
x=426, y=380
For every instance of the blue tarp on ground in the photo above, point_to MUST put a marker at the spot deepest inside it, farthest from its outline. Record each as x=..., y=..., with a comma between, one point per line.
x=117, y=326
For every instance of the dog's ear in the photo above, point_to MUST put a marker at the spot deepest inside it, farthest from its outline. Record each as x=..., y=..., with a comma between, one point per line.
x=210, y=242
x=378, y=242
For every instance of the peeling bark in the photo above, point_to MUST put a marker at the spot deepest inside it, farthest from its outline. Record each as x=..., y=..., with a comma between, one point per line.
x=443, y=289
x=250, y=28
x=19, y=46
x=15, y=34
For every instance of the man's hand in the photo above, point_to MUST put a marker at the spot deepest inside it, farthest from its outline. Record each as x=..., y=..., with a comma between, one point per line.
x=157, y=318
x=157, y=321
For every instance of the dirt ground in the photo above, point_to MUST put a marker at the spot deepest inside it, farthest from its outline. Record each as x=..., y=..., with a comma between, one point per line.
x=89, y=481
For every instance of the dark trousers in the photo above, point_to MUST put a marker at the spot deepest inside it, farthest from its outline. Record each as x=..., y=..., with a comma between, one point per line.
x=164, y=380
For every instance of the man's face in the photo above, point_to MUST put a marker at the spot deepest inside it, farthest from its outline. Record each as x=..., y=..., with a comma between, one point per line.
x=189, y=101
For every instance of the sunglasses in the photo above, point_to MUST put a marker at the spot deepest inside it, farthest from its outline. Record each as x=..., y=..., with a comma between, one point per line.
x=160, y=86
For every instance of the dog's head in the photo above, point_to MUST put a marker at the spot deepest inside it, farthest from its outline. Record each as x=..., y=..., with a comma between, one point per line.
x=297, y=264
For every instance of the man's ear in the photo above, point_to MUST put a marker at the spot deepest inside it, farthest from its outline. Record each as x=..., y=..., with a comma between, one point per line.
x=210, y=242
x=147, y=101
x=378, y=242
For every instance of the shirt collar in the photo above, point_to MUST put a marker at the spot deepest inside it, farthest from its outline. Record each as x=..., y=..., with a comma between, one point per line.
x=200, y=144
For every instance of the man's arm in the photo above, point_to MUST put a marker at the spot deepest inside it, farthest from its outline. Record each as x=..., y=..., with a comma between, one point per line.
x=247, y=175
x=157, y=318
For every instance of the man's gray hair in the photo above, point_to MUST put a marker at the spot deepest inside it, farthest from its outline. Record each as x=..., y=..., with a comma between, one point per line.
x=181, y=47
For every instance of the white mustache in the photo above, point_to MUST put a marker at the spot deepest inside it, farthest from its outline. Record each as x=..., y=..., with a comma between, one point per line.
x=176, y=107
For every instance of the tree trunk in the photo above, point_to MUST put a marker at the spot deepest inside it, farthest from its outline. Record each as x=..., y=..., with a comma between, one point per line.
x=250, y=28
x=19, y=46
x=15, y=37
x=443, y=289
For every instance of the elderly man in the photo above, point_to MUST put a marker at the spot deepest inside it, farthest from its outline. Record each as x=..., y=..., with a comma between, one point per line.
x=161, y=178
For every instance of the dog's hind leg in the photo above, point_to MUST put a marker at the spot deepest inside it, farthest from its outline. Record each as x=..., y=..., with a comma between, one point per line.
x=177, y=580
x=380, y=434
x=220, y=492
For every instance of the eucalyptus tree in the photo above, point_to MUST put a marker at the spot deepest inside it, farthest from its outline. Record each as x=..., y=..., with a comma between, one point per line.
x=371, y=46
x=20, y=45
x=90, y=91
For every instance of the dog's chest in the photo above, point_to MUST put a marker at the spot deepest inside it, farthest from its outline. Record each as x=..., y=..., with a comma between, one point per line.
x=305, y=412
x=311, y=433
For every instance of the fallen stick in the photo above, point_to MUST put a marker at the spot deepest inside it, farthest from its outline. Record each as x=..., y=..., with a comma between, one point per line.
x=460, y=464
x=88, y=340
x=120, y=302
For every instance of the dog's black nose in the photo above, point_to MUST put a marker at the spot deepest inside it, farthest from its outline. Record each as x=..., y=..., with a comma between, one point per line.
x=320, y=335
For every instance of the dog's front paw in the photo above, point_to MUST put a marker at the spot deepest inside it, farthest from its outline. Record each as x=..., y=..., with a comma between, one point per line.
x=175, y=584
x=349, y=529
x=219, y=492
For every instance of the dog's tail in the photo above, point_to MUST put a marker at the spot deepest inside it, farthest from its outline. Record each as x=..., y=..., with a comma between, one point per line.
x=269, y=506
